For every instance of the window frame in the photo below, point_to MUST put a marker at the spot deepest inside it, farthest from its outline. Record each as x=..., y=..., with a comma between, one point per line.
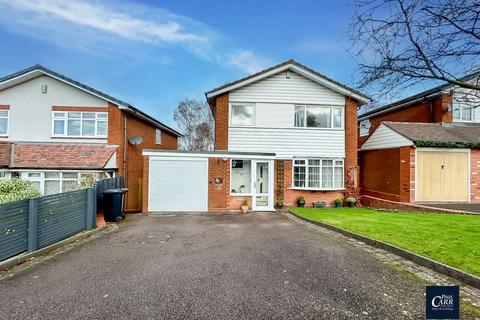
x=65, y=119
x=245, y=104
x=332, y=117
x=461, y=107
x=3, y=135
x=307, y=172
x=158, y=136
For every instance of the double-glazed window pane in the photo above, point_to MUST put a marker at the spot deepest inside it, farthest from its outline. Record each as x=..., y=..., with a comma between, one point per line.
x=88, y=124
x=242, y=115
x=241, y=181
x=299, y=176
x=299, y=116
x=467, y=114
x=3, y=122
x=318, y=117
x=52, y=187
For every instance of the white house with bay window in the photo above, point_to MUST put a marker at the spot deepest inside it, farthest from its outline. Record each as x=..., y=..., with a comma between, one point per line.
x=280, y=134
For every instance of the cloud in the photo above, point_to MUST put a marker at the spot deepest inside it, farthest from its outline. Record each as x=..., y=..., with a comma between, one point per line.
x=125, y=29
x=247, y=61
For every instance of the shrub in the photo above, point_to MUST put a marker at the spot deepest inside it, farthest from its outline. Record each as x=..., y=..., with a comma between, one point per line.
x=16, y=189
x=351, y=200
x=337, y=201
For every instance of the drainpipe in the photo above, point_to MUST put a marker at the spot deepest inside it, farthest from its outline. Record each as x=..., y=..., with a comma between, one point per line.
x=125, y=149
x=430, y=104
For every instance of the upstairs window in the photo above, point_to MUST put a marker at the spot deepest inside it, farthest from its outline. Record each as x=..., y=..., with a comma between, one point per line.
x=3, y=122
x=462, y=111
x=242, y=115
x=158, y=136
x=318, y=117
x=80, y=124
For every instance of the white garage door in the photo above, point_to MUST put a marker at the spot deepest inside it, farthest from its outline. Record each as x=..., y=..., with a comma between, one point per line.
x=178, y=184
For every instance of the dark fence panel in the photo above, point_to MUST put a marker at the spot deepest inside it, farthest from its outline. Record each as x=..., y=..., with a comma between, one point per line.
x=13, y=228
x=61, y=216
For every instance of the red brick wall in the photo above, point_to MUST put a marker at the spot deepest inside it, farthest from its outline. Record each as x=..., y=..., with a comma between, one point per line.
x=218, y=191
x=418, y=112
x=387, y=173
x=475, y=175
x=221, y=122
x=351, y=146
x=134, y=159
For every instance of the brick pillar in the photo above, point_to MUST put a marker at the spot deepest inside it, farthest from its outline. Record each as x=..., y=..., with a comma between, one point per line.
x=351, y=143
x=447, y=115
x=116, y=133
x=221, y=122
x=146, y=170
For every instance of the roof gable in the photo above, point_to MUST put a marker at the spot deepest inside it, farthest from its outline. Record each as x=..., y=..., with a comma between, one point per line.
x=297, y=68
x=384, y=138
x=39, y=70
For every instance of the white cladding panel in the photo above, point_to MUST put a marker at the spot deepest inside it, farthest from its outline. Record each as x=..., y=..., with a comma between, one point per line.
x=30, y=115
x=384, y=138
x=295, y=89
x=274, y=115
x=178, y=184
x=287, y=143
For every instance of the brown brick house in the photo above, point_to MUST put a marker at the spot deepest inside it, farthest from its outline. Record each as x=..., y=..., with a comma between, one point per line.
x=284, y=132
x=55, y=131
x=423, y=148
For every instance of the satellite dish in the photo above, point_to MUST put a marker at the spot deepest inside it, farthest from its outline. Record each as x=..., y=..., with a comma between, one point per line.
x=135, y=140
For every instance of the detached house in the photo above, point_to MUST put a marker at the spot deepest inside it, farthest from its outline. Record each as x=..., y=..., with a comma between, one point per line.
x=284, y=132
x=55, y=131
x=424, y=148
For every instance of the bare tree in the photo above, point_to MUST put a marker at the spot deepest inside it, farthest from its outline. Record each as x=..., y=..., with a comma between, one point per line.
x=400, y=43
x=196, y=122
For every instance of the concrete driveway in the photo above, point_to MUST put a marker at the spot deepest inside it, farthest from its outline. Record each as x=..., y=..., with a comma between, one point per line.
x=467, y=207
x=262, y=266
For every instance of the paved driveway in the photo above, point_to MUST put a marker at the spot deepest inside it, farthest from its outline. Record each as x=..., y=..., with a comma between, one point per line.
x=260, y=266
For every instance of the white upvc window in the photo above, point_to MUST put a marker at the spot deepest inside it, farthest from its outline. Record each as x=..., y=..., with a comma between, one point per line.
x=462, y=111
x=158, y=136
x=80, y=124
x=242, y=115
x=4, y=122
x=309, y=116
x=365, y=126
x=318, y=174
x=52, y=182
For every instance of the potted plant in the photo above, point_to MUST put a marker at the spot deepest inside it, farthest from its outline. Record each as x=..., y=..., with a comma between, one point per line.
x=338, y=203
x=279, y=204
x=245, y=206
x=301, y=201
x=351, y=202
x=319, y=204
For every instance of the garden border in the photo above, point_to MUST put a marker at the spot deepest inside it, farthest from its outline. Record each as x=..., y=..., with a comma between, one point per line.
x=455, y=273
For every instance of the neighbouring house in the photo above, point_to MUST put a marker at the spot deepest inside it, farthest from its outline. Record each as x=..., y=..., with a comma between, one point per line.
x=284, y=132
x=55, y=131
x=445, y=103
x=424, y=148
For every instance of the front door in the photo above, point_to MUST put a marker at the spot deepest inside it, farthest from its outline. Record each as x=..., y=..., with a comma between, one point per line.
x=262, y=185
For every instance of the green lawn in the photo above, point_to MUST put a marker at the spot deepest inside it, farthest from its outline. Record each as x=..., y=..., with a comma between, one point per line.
x=448, y=238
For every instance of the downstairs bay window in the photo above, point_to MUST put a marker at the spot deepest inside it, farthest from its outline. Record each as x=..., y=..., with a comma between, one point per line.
x=318, y=174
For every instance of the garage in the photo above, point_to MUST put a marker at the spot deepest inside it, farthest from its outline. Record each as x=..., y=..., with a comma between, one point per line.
x=422, y=162
x=178, y=184
x=442, y=175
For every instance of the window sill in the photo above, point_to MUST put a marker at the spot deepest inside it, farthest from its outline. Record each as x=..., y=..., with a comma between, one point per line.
x=316, y=189
x=77, y=137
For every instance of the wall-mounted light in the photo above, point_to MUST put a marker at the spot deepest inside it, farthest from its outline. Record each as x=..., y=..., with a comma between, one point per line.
x=287, y=74
x=44, y=88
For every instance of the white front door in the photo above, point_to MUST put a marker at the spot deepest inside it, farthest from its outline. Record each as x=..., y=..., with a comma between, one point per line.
x=262, y=185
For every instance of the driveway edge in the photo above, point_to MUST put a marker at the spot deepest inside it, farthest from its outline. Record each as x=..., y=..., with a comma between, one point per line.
x=23, y=257
x=455, y=273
